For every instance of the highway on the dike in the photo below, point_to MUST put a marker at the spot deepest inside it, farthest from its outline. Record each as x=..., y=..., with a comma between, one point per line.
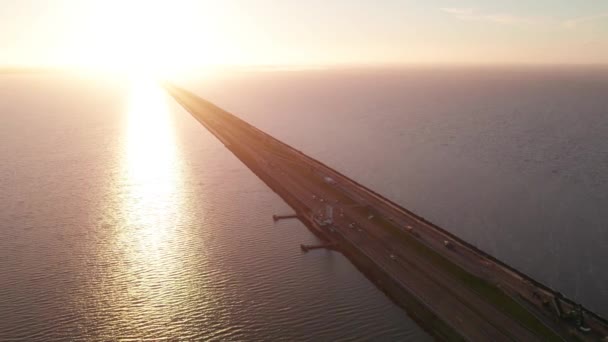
x=454, y=290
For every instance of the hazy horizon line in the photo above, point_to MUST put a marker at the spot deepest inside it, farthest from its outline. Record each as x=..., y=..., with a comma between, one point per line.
x=8, y=68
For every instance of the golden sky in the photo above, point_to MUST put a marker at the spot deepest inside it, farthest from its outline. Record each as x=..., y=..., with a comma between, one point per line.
x=181, y=34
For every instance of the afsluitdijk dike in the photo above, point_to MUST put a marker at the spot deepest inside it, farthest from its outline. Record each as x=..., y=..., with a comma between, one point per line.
x=454, y=290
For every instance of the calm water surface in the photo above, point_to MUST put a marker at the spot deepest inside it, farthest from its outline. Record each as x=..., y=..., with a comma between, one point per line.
x=122, y=218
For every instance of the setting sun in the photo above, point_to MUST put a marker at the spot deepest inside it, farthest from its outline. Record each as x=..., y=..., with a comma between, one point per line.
x=143, y=37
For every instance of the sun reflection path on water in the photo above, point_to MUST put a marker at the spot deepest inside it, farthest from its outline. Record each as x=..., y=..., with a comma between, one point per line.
x=151, y=203
x=151, y=164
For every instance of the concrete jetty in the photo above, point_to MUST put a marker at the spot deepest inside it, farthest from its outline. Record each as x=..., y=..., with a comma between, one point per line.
x=453, y=289
x=284, y=217
x=307, y=248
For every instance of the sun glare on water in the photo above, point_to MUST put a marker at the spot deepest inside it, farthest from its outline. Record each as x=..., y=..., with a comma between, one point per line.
x=151, y=164
x=151, y=202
